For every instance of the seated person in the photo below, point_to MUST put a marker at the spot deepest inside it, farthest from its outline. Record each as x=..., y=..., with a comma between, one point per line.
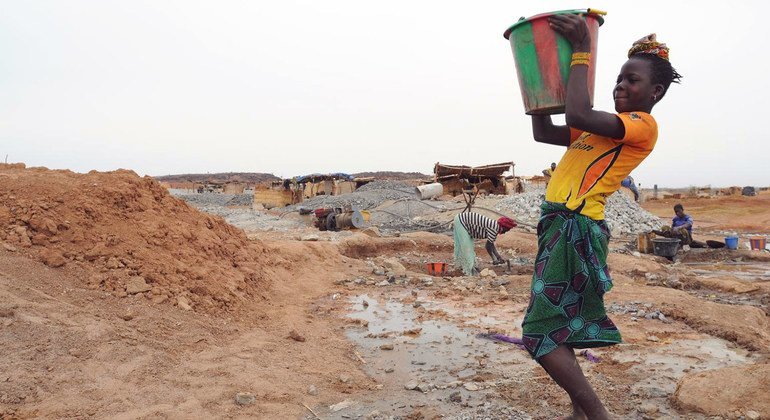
x=681, y=228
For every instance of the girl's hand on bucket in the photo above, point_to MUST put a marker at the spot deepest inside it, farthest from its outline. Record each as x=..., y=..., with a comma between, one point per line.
x=572, y=27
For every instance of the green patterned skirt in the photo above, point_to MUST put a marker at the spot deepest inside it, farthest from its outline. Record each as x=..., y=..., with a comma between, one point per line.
x=566, y=304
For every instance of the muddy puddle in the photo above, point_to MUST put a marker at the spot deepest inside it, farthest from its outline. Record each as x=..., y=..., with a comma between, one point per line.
x=440, y=365
x=751, y=271
x=422, y=363
x=759, y=301
x=658, y=369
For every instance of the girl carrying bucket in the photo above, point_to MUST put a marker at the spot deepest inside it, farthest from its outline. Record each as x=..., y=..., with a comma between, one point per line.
x=566, y=308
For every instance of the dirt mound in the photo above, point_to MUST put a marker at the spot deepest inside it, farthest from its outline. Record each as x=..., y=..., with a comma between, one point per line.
x=221, y=178
x=731, y=392
x=131, y=234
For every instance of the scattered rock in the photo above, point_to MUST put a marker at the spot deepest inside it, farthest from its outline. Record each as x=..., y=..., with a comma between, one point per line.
x=411, y=385
x=423, y=387
x=9, y=247
x=753, y=415
x=648, y=408
x=136, y=284
x=311, y=238
x=183, y=303
x=455, y=397
x=673, y=282
x=388, y=346
x=113, y=263
x=128, y=316
x=383, y=283
x=341, y=405
x=653, y=338
x=245, y=398
x=394, y=267
x=294, y=335
x=470, y=386
x=75, y=352
x=488, y=273
x=53, y=258
x=312, y=390
x=345, y=378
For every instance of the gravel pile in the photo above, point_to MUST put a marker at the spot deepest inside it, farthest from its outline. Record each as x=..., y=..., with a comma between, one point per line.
x=241, y=200
x=212, y=199
x=524, y=207
x=247, y=219
x=623, y=215
x=411, y=214
x=368, y=196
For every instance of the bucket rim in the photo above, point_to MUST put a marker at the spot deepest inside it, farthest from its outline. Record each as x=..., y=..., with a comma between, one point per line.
x=522, y=21
x=665, y=240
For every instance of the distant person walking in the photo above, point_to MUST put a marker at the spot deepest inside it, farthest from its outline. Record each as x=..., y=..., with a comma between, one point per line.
x=629, y=183
x=469, y=226
x=548, y=173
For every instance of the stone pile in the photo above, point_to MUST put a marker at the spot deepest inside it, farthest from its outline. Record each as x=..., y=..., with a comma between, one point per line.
x=212, y=199
x=626, y=216
x=367, y=197
x=623, y=215
x=524, y=207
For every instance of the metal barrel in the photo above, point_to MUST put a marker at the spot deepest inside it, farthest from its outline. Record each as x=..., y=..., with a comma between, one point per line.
x=427, y=191
x=354, y=219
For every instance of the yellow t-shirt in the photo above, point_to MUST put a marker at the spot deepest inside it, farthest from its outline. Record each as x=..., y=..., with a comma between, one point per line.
x=593, y=166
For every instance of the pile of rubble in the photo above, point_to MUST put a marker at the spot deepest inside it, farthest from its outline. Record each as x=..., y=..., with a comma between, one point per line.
x=231, y=208
x=623, y=215
x=367, y=197
x=207, y=199
x=524, y=207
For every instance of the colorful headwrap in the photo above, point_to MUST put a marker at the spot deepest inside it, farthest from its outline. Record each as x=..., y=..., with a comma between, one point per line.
x=648, y=45
x=506, y=223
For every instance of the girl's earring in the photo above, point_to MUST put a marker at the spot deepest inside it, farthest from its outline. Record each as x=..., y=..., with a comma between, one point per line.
x=655, y=98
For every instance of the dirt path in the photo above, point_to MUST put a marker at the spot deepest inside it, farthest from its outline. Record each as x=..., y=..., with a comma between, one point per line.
x=720, y=213
x=74, y=352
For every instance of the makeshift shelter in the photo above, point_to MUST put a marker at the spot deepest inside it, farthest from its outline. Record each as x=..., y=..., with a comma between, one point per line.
x=487, y=179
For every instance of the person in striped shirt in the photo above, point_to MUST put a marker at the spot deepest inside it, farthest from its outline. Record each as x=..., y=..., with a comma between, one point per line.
x=469, y=226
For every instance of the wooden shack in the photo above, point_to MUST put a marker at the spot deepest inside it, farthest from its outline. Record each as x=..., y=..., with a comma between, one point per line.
x=488, y=179
x=233, y=188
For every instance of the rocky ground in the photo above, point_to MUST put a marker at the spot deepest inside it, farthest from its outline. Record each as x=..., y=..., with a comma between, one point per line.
x=336, y=325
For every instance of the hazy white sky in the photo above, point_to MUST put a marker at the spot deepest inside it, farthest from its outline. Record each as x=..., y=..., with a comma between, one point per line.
x=294, y=87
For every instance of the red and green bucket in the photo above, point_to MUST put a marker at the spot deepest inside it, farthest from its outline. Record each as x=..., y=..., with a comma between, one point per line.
x=543, y=59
